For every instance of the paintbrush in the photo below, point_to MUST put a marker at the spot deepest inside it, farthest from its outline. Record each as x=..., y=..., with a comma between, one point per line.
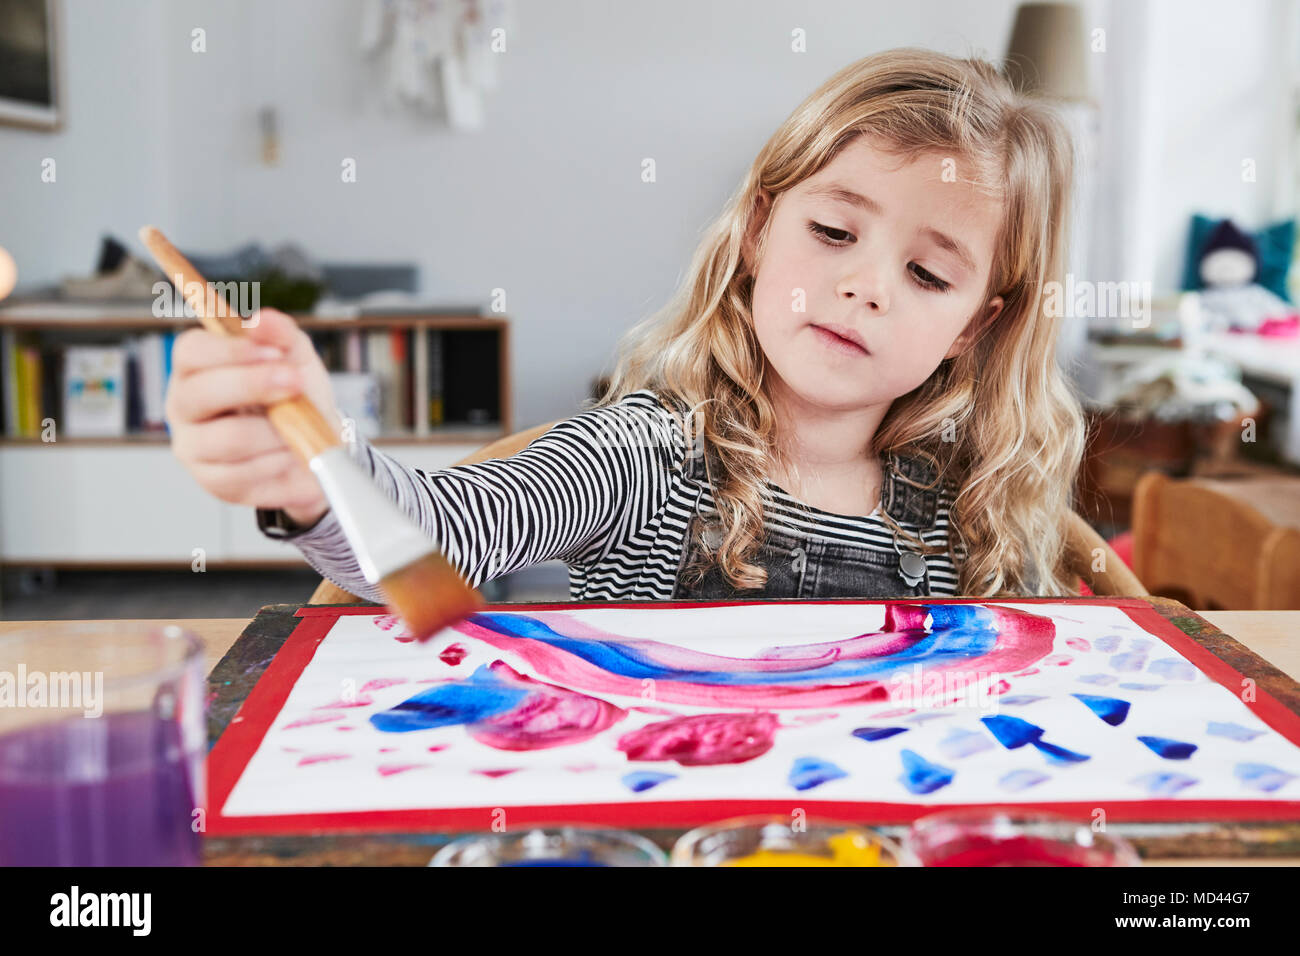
x=418, y=583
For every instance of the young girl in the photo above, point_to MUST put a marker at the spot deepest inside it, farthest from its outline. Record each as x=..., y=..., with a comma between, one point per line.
x=854, y=394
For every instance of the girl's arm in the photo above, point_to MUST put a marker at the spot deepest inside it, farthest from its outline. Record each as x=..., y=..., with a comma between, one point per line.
x=576, y=492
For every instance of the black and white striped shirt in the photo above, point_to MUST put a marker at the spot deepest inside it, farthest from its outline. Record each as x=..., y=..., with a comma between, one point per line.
x=606, y=492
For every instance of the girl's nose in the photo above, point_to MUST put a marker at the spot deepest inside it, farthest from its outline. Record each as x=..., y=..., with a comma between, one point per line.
x=867, y=287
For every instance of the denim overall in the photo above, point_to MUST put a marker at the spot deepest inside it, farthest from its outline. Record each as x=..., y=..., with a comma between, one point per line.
x=802, y=566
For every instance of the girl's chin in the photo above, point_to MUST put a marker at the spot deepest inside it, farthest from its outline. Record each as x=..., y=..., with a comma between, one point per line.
x=816, y=387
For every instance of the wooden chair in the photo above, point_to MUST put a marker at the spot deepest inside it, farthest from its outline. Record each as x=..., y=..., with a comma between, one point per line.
x=1085, y=548
x=1219, y=544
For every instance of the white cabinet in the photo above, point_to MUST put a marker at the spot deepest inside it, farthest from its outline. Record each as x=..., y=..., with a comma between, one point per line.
x=82, y=503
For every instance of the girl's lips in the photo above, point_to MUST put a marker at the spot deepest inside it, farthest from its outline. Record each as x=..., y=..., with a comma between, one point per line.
x=841, y=345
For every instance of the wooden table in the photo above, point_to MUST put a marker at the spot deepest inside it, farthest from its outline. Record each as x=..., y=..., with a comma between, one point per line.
x=1273, y=635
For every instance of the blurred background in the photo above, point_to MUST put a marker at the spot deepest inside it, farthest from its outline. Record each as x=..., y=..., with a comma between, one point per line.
x=467, y=204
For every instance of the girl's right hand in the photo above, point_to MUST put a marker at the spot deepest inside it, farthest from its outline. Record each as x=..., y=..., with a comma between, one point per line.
x=215, y=408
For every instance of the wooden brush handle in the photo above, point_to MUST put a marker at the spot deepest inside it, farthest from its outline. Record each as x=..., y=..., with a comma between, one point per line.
x=298, y=421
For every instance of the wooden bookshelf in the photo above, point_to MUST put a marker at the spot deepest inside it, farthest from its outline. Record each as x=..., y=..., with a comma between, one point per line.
x=126, y=501
x=420, y=326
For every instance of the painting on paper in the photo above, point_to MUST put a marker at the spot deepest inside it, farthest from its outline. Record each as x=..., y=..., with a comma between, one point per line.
x=659, y=714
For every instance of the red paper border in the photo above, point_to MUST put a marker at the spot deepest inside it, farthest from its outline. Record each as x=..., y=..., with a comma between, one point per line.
x=236, y=746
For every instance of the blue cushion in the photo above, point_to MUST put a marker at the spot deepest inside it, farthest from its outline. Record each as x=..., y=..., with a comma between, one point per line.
x=1276, y=245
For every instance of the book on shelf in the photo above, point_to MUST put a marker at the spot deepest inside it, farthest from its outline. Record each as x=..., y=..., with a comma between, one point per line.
x=89, y=391
x=94, y=392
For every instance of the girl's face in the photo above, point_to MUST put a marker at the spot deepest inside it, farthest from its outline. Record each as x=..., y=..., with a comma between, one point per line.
x=873, y=270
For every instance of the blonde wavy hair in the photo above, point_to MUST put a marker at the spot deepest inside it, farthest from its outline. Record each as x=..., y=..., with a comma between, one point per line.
x=1018, y=426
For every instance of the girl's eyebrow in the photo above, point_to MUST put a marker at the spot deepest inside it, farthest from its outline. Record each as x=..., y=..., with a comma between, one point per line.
x=841, y=193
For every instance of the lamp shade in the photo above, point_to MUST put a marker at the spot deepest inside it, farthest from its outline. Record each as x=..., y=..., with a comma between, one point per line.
x=8, y=273
x=1046, y=54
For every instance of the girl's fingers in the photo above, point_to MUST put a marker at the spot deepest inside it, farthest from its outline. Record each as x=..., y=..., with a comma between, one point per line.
x=196, y=349
x=273, y=328
x=227, y=439
x=258, y=482
x=215, y=391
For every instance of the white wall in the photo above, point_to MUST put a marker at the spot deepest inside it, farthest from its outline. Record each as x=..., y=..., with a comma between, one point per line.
x=112, y=165
x=545, y=202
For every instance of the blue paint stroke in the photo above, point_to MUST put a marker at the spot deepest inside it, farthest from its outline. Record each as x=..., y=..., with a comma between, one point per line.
x=958, y=632
x=962, y=743
x=1260, y=776
x=1168, y=748
x=878, y=733
x=645, y=779
x=1172, y=668
x=1098, y=679
x=1140, y=644
x=1128, y=661
x=481, y=695
x=1232, y=731
x=1110, y=709
x=1019, y=700
x=809, y=772
x=1018, y=780
x=921, y=776
x=1141, y=686
x=1012, y=733
x=1107, y=644
x=1164, y=784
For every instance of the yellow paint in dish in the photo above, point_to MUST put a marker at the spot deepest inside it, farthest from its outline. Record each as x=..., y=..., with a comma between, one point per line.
x=847, y=849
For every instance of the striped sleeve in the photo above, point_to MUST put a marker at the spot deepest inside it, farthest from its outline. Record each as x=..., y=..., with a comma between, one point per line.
x=574, y=494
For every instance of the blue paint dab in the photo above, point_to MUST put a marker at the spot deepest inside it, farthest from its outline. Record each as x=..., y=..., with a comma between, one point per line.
x=476, y=698
x=1020, y=700
x=1172, y=668
x=1108, y=644
x=1012, y=733
x=809, y=772
x=1139, y=644
x=921, y=776
x=1141, y=686
x=1164, y=784
x=1129, y=661
x=1260, y=776
x=1110, y=709
x=1169, y=749
x=962, y=743
x=878, y=733
x=1232, y=731
x=645, y=779
x=1022, y=780
x=1097, y=679
x=1059, y=755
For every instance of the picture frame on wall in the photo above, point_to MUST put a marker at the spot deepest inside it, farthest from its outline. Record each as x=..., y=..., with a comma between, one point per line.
x=29, y=62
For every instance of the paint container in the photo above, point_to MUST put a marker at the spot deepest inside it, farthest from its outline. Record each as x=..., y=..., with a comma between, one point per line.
x=102, y=751
x=775, y=841
x=1006, y=836
x=559, y=847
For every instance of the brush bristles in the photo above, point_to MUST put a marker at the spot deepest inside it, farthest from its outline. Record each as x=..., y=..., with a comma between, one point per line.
x=429, y=594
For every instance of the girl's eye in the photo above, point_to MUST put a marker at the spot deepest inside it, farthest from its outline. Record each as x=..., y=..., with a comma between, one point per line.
x=927, y=280
x=839, y=238
x=829, y=235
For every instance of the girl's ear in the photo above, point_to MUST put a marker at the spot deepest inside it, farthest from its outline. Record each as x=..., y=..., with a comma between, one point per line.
x=975, y=328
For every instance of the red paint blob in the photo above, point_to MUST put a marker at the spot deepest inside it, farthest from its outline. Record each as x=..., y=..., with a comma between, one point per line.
x=1017, y=851
x=453, y=655
x=702, y=739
